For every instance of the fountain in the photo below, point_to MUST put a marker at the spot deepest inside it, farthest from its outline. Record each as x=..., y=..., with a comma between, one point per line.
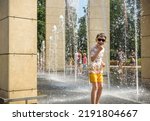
x=55, y=79
x=127, y=82
x=136, y=47
x=62, y=30
x=107, y=46
x=71, y=89
x=72, y=6
x=41, y=59
x=51, y=52
x=54, y=49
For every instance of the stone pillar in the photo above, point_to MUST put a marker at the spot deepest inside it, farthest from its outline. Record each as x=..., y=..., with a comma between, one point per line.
x=55, y=9
x=99, y=22
x=145, y=42
x=18, y=49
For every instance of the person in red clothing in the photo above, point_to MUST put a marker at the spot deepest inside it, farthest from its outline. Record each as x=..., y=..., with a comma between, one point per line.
x=84, y=63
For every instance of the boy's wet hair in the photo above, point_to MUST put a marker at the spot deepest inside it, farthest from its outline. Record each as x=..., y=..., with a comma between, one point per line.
x=101, y=35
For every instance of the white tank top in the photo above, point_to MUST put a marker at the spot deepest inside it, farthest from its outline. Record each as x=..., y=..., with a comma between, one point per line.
x=95, y=66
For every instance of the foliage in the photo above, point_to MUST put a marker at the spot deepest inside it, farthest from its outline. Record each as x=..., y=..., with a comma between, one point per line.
x=82, y=33
x=41, y=23
x=70, y=34
x=122, y=26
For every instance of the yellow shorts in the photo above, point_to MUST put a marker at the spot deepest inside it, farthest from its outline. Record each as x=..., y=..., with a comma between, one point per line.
x=96, y=78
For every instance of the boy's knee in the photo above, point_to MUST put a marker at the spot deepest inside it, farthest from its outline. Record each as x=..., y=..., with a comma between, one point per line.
x=100, y=86
x=95, y=87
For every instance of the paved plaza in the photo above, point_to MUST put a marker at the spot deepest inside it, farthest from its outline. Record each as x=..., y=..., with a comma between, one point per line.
x=69, y=91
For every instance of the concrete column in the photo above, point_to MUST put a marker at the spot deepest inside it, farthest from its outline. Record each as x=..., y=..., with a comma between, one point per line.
x=99, y=22
x=55, y=9
x=145, y=42
x=18, y=49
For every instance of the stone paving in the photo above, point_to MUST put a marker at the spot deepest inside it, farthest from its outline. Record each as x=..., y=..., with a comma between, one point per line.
x=69, y=91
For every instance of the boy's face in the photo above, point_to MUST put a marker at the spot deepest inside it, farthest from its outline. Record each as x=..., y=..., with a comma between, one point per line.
x=101, y=40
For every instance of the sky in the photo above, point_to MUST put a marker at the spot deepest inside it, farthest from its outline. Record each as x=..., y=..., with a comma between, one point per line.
x=82, y=3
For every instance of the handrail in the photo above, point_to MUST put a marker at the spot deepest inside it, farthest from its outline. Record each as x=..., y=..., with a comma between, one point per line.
x=6, y=100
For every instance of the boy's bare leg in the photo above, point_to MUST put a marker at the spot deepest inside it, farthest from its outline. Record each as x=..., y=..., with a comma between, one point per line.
x=93, y=93
x=99, y=92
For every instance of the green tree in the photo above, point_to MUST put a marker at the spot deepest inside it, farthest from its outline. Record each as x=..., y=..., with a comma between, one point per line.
x=82, y=33
x=122, y=27
x=41, y=23
x=70, y=34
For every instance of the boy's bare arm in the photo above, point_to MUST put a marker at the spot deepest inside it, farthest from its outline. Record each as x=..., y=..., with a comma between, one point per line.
x=96, y=54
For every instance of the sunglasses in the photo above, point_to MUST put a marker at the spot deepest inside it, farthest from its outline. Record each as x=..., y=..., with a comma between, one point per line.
x=103, y=40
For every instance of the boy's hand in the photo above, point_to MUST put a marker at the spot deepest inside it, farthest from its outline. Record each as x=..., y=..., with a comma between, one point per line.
x=99, y=48
x=103, y=64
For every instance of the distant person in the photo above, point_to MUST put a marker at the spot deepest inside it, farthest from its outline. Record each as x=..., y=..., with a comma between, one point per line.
x=71, y=61
x=121, y=58
x=84, y=62
x=96, y=68
x=132, y=58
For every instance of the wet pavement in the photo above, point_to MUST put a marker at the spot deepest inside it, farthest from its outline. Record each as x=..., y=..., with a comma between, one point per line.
x=67, y=90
